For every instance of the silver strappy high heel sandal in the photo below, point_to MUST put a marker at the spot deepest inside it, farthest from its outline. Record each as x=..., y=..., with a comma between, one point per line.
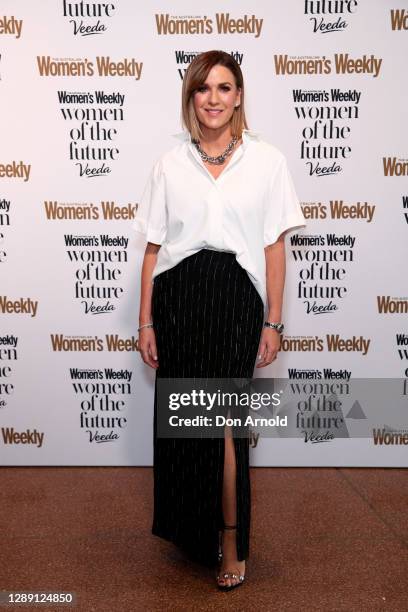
x=234, y=575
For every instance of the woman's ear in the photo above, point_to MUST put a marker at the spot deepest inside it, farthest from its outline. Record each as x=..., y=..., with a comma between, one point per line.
x=238, y=99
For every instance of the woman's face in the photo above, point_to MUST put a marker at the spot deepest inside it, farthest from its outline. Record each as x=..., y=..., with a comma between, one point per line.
x=215, y=100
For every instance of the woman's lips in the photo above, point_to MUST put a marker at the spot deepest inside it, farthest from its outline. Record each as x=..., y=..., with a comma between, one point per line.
x=213, y=113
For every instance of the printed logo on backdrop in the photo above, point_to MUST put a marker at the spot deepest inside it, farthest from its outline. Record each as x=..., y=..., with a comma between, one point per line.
x=395, y=166
x=89, y=18
x=329, y=15
x=8, y=355
x=399, y=19
x=392, y=305
x=405, y=207
x=94, y=115
x=318, y=397
x=319, y=412
x=392, y=436
x=74, y=211
x=402, y=345
x=10, y=26
x=184, y=59
x=5, y=212
x=102, y=66
x=388, y=436
x=338, y=209
x=4, y=222
x=15, y=170
x=320, y=408
x=103, y=395
x=90, y=148
x=328, y=116
x=21, y=305
x=112, y=343
x=32, y=437
x=331, y=343
x=326, y=373
x=324, y=262
x=221, y=23
x=98, y=266
x=341, y=63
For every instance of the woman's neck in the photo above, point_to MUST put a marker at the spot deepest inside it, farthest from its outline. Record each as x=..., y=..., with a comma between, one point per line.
x=214, y=141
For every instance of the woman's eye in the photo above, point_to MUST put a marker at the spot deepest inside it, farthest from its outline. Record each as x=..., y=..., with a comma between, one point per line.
x=204, y=88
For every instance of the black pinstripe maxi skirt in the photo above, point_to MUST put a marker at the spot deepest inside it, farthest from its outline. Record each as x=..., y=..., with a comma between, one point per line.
x=208, y=319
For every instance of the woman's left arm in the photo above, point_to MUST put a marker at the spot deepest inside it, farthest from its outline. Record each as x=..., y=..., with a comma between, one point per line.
x=275, y=283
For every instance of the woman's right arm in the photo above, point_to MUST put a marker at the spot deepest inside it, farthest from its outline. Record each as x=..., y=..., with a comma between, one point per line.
x=147, y=338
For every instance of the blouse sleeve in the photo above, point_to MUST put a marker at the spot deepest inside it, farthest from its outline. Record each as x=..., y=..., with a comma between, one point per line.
x=151, y=220
x=282, y=209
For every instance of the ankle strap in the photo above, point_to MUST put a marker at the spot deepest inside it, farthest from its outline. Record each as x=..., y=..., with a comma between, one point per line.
x=230, y=526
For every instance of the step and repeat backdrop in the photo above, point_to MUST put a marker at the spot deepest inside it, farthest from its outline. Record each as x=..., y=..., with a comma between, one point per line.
x=90, y=97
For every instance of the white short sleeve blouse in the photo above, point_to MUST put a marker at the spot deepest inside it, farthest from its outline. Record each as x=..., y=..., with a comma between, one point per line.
x=184, y=209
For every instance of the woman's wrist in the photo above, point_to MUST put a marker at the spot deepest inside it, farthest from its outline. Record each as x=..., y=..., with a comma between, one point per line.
x=145, y=326
x=274, y=317
x=145, y=318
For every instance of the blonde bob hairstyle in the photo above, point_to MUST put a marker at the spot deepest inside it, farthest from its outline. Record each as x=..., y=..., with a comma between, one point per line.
x=195, y=77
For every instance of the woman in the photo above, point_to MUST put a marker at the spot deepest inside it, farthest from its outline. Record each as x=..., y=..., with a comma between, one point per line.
x=214, y=214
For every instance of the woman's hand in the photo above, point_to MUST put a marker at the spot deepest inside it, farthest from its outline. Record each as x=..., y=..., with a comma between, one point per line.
x=147, y=347
x=268, y=346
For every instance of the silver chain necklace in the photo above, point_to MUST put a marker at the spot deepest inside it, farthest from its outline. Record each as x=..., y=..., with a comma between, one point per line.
x=219, y=159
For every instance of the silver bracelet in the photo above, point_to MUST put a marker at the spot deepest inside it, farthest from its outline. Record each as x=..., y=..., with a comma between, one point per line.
x=278, y=326
x=145, y=325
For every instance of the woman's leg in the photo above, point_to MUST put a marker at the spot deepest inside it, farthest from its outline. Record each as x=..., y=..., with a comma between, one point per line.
x=229, y=506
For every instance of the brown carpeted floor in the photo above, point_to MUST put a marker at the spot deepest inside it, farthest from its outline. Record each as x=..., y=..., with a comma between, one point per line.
x=325, y=539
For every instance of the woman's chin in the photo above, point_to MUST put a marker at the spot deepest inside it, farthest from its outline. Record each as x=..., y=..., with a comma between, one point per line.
x=214, y=124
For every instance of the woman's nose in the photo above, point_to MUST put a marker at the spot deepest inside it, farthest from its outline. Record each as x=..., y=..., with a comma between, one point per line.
x=213, y=96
